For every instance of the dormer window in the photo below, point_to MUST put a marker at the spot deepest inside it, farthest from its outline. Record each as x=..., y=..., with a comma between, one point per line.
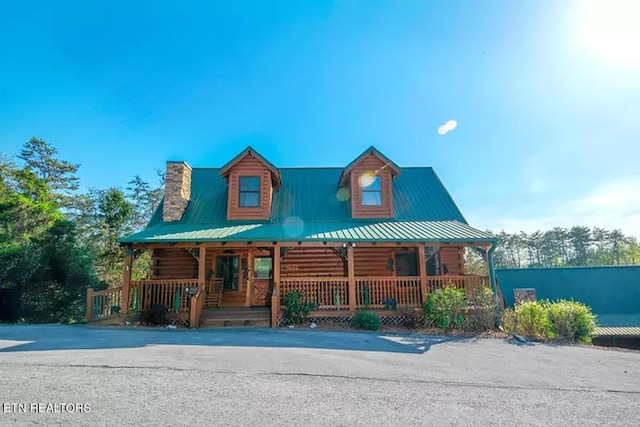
x=370, y=181
x=249, y=192
x=371, y=191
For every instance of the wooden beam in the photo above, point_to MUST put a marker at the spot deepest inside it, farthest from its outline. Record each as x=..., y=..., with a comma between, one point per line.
x=275, y=300
x=126, y=279
x=352, y=279
x=422, y=270
x=202, y=268
x=89, y=314
x=249, y=279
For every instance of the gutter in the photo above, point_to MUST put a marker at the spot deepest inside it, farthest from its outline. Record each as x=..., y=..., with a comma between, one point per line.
x=492, y=272
x=492, y=278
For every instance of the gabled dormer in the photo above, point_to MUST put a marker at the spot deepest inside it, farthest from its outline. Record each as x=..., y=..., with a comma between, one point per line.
x=369, y=179
x=251, y=180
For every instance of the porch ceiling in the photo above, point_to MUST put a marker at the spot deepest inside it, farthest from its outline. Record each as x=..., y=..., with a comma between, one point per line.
x=353, y=231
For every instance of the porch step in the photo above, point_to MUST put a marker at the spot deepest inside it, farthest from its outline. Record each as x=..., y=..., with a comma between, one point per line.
x=256, y=316
x=221, y=323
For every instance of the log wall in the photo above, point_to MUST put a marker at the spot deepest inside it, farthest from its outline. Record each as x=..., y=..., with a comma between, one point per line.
x=371, y=164
x=249, y=166
x=453, y=257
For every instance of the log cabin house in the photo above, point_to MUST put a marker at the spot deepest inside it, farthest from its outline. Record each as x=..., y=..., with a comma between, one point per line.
x=227, y=244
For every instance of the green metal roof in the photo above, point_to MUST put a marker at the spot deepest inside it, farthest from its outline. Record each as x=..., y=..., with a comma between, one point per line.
x=307, y=206
x=382, y=231
x=618, y=325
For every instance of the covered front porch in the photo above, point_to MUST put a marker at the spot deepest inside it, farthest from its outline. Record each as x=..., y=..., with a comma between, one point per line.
x=337, y=278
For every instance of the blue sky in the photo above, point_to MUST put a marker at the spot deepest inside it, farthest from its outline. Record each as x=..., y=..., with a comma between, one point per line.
x=546, y=94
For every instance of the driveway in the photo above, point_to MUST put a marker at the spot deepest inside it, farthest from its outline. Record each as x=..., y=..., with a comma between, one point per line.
x=295, y=377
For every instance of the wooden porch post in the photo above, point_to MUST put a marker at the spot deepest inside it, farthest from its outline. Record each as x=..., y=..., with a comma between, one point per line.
x=249, y=279
x=202, y=268
x=422, y=270
x=195, y=308
x=89, y=304
x=275, y=296
x=352, y=279
x=126, y=280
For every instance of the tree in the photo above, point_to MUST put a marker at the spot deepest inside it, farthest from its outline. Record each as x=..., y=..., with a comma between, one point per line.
x=474, y=262
x=112, y=220
x=144, y=201
x=580, y=241
x=27, y=206
x=578, y=246
x=40, y=158
x=52, y=274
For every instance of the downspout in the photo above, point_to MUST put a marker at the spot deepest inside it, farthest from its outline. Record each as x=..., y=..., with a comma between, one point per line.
x=492, y=273
x=492, y=277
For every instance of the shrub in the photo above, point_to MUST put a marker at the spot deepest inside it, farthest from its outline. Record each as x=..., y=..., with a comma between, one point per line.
x=366, y=320
x=572, y=321
x=529, y=318
x=412, y=318
x=296, y=310
x=563, y=320
x=481, y=313
x=444, y=308
x=156, y=315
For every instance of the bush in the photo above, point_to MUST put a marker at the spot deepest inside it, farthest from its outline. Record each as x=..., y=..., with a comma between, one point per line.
x=481, y=313
x=562, y=320
x=444, y=308
x=296, y=310
x=366, y=320
x=412, y=318
x=572, y=321
x=156, y=315
x=529, y=318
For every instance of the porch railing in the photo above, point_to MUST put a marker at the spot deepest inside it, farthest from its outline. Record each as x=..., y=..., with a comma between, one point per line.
x=332, y=293
x=387, y=292
x=328, y=293
x=175, y=294
x=465, y=283
x=103, y=304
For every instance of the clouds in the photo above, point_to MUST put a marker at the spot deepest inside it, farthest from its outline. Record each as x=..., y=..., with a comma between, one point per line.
x=611, y=205
x=447, y=127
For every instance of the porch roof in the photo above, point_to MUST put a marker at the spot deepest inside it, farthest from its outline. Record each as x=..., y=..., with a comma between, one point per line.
x=352, y=231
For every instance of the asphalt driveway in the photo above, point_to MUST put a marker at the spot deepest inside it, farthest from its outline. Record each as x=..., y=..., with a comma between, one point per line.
x=282, y=377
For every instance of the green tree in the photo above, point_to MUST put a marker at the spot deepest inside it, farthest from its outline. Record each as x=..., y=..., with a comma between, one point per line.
x=112, y=220
x=580, y=241
x=52, y=274
x=474, y=262
x=60, y=175
x=27, y=206
x=144, y=200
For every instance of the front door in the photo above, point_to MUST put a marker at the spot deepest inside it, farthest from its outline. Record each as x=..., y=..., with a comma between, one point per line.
x=228, y=269
x=262, y=280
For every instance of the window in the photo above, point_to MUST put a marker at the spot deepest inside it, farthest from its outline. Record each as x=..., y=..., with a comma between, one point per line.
x=228, y=269
x=249, y=191
x=372, y=193
x=262, y=268
x=406, y=264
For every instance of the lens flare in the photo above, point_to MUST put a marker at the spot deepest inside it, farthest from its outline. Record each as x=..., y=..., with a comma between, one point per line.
x=343, y=194
x=293, y=227
x=366, y=179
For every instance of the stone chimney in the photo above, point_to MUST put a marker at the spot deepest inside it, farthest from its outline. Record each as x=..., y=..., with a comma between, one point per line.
x=177, y=190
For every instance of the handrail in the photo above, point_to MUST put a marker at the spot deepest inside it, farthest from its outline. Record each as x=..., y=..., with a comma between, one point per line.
x=172, y=293
x=104, y=303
